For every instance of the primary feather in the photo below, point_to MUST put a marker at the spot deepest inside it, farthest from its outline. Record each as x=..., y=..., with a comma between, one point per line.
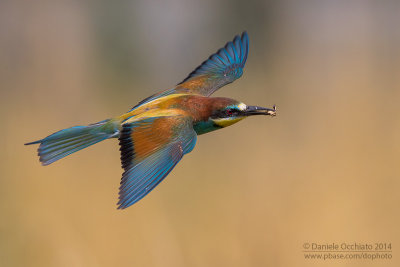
x=150, y=149
x=221, y=68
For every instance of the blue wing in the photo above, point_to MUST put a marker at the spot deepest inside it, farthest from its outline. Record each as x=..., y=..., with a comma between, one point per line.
x=221, y=68
x=150, y=149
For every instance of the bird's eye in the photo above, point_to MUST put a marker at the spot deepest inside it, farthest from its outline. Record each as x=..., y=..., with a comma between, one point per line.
x=229, y=112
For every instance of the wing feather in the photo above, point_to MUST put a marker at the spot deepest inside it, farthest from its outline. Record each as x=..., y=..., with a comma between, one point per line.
x=221, y=68
x=150, y=149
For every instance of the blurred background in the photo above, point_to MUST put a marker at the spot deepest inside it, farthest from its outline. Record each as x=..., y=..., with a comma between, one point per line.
x=326, y=169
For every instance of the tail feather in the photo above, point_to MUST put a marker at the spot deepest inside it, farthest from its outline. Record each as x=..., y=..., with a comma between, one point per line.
x=68, y=141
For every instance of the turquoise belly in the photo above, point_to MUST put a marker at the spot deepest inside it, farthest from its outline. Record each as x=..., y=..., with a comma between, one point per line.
x=203, y=127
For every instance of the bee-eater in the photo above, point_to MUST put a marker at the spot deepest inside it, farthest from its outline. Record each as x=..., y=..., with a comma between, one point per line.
x=156, y=133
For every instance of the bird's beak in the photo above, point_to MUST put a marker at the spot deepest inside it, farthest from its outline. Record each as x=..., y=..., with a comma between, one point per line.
x=254, y=110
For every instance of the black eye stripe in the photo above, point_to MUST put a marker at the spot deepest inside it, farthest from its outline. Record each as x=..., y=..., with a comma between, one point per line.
x=231, y=112
x=226, y=113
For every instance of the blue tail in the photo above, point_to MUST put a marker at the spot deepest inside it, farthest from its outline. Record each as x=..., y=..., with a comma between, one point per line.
x=68, y=141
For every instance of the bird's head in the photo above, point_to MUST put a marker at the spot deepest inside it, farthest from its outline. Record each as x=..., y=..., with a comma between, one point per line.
x=228, y=111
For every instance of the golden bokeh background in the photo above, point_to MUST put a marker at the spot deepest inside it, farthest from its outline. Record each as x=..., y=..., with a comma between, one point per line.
x=326, y=169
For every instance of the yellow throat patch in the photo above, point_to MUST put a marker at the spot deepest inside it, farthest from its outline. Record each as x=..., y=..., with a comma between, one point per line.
x=224, y=122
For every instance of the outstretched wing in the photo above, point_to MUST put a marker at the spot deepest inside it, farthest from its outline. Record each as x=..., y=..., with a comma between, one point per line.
x=150, y=149
x=221, y=68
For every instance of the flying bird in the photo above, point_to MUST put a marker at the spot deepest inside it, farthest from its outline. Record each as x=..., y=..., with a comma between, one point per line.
x=156, y=133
